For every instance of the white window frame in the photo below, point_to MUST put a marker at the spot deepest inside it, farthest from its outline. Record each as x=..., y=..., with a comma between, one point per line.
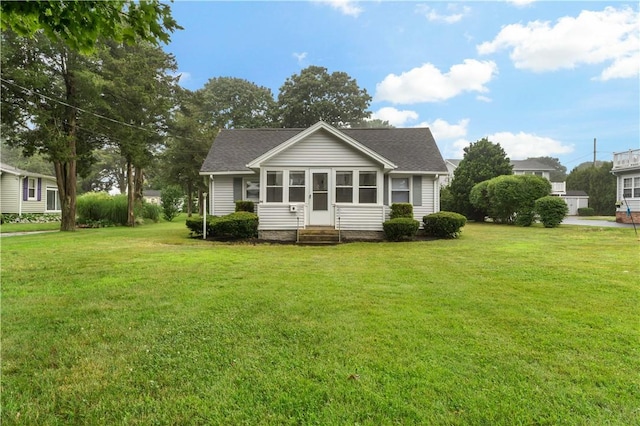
x=281, y=186
x=290, y=185
x=359, y=187
x=245, y=188
x=57, y=199
x=409, y=189
x=636, y=187
x=33, y=188
x=627, y=187
x=353, y=186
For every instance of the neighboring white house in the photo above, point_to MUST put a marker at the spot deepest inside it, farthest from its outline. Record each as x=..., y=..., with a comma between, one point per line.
x=626, y=169
x=151, y=196
x=344, y=179
x=25, y=192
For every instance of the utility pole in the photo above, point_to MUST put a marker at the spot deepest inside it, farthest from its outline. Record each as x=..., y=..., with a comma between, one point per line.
x=594, y=152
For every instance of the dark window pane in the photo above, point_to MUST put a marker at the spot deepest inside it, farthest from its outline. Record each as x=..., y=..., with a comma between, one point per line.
x=400, y=197
x=344, y=178
x=367, y=195
x=367, y=178
x=274, y=194
x=320, y=201
x=320, y=181
x=274, y=178
x=344, y=195
x=296, y=178
x=296, y=194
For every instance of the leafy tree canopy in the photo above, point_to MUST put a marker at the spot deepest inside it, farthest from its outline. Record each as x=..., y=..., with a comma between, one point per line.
x=483, y=160
x=598, y=183
x=315, y=95
x=80, y=23
x=236, y=103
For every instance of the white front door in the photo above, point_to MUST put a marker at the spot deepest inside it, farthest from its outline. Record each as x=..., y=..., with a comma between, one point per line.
x=320, y=198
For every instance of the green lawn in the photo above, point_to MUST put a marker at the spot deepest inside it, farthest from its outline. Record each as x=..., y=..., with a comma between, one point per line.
x=503, y=326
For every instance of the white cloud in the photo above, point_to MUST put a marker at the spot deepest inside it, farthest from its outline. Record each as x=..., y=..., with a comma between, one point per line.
x=346, y=7
x=428, y=84
x=300, y=57
x=610, y=35
x=456, y=13
x=523, y=145
x=443, y=130
x=394, y=116
x=483, y=98
x=521, y=3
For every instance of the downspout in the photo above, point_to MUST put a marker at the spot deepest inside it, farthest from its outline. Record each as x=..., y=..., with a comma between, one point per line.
x=20, y=192
x=436, y=194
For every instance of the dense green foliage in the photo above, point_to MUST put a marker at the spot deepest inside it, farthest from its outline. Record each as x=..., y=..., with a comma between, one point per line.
x=234, y=226
x=80, y=23
x=598, y=183
x=315, y=95
x=559, y=174
x=444, y=224
x=29, y=218
x=151, y=211
x=245, y=206
x=586, y=211
x=483, y=160
x=401, y=228
x=97, y=209
x=171, y=199
x=510, y=198
x=401, y=210
x=551, y=210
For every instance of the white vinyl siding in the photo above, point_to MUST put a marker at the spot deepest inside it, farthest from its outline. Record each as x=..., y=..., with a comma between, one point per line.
x=279, y=217
x=429, y=198
x=223, y=202
x=10, y=193
x=320, y=150
x=360, y=217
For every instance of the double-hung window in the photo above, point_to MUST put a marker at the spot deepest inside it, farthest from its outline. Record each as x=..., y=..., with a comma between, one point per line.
x=252, y=189
x=344, y=187
x=627, y=184
x=274, y=187
x=368, y=189
x=297, y=186
x=400, y=190
x=636, y=187
x=53, y=200
x=31, y=188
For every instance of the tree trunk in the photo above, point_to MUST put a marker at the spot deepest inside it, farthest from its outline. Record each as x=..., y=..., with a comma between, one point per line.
x=139, y=185
x=131, y=218
x=66, y=180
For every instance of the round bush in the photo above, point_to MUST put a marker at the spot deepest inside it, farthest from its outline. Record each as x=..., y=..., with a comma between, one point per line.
x=444, y=224
x=551, y=210
x=400, y=228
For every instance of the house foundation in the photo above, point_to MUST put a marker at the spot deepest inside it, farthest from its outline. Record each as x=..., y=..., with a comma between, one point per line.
x=622, y=217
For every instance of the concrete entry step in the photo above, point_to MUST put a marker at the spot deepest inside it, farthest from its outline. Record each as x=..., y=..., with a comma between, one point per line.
x=318, y=235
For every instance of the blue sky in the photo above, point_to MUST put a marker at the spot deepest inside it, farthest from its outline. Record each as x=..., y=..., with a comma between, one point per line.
x=542, y=78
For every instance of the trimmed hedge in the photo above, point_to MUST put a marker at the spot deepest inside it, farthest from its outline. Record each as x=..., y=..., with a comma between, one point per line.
x=245, y=206
x=234, y=226
x=551, y=210
x=400, y=228
x=586, y=211
x=401, y=210
x=444, y=224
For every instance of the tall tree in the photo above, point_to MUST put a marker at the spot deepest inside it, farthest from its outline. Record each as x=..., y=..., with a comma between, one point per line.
x=43, y=83
x=483, y=160
x=598, y=183
x=559, y=174
x=190, y=137
x=234, y=103
x=80, y=23
x=138, y=93
x=315, y=95
x=42, y=86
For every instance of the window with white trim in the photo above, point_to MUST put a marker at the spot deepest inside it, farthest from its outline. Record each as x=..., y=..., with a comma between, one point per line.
x=636, y=187
x=344, y=187
x=252, y=189
x=274, y=187
x=367, y=187
x=53, y=200
x=31, y=189
x=297, y=186
x=400, y=190
x=627, y=186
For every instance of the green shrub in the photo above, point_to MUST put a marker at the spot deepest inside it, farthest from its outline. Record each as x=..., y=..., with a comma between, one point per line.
x=234, y=226
x=101, y=209
x=151, y=211
x=245, y=206
x=171, y=201
x=29, y=218
x=400, y=228
x=444, y=224
x=586, y=211
x=401, y=210
x=551, y=210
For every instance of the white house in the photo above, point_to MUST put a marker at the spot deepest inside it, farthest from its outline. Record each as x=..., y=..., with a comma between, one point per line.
x=25, y=192
x=626, y=169
x=342, y=179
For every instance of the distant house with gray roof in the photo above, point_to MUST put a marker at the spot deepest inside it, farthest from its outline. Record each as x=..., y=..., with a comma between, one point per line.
x=341, y=179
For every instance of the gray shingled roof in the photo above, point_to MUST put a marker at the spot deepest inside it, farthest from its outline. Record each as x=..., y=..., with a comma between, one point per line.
x=411, y=149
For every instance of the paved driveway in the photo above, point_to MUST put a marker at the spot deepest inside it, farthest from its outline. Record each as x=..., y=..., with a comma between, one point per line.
x=575, y=220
